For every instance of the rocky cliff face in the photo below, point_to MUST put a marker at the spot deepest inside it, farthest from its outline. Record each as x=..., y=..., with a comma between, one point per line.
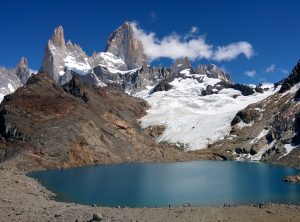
x=61, y=59
x=54, y=54
x=46, y=125
x=180, y=65
x=293, y=79
x=11, y=79
x=268, y=130
x=123, y=44
x=135, y=80
x=213, y=71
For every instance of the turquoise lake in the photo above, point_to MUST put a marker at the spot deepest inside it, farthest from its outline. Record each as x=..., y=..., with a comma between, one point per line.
x=161, y=184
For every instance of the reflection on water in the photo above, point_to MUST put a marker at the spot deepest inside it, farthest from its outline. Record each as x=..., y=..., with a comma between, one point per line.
x=150, y=185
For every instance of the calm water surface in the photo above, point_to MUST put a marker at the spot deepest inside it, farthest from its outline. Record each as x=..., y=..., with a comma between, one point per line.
x=158, y=184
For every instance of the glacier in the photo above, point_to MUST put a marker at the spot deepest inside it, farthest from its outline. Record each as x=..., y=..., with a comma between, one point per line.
x=192, y=120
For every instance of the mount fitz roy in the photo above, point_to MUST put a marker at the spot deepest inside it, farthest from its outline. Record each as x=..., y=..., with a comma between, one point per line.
x=113, y=106
x=124, y=62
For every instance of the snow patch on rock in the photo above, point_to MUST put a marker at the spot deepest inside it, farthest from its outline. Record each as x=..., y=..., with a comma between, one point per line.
x=261, y=135
x=258, y=156
x=289, y=148
x=76, y=66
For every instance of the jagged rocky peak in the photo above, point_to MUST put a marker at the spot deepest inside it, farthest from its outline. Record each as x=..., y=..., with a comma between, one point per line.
x=61, y=59
x=123, y=44
x=54, y=54
x=180, y=64
x=11, y=79
x=22, y=70
x=58, y=39
x=213, y=71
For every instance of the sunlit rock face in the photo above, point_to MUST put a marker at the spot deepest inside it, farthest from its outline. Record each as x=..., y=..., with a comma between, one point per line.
x=124, y=45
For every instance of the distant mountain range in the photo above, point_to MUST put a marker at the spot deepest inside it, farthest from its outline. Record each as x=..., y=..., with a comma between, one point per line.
x=75, y=109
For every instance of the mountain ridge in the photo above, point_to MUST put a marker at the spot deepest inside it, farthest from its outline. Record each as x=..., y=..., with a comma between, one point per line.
x=193, y=110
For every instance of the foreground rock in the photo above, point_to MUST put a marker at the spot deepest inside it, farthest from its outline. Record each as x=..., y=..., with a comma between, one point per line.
x=292, y=179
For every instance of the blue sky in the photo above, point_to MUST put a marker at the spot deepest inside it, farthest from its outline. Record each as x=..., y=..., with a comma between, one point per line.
x=271, y=27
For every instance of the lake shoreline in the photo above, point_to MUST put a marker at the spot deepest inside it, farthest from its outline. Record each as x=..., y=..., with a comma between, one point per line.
x=25, y=199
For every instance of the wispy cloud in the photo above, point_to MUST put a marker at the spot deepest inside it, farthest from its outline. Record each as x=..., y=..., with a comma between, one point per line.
x=193, y=33
x=250, y=73
x=284, y=71
x=270, y=68
x=191, y=45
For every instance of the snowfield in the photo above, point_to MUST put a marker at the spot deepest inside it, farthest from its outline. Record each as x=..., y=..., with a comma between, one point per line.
x=79, y=67
x=191, y=119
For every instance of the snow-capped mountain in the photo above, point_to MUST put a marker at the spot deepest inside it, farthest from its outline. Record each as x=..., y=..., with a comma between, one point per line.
x=123, y=62
x=61, y=58
x=11, y=79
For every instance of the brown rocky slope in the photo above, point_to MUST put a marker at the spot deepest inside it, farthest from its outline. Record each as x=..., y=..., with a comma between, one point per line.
x=45, y=125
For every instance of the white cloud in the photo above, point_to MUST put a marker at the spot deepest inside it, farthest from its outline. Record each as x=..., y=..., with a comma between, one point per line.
x=233, y=50
x=190, y=45
x=270, y=68
x=250, y=73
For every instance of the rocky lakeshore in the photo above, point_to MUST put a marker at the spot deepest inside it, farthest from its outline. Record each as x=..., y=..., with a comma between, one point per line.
x=24, y=199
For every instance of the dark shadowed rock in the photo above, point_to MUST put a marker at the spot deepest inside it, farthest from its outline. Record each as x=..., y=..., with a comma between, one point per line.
x=293, y=79
x=245, y=90
x=207, y=91
x=74, y=87
x=164, y=85
x=246, y=115
x=297, y=95
x=259, y=89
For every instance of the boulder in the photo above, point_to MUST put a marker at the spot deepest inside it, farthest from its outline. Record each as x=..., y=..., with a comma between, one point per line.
x=164, y=85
